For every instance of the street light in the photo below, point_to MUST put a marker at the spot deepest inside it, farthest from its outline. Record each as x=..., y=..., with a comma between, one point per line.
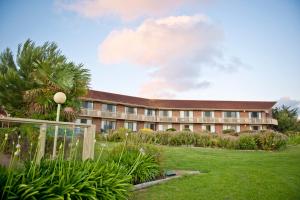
x=59, y=98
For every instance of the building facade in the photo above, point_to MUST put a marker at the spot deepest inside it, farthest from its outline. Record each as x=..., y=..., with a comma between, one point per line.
x=110, y=111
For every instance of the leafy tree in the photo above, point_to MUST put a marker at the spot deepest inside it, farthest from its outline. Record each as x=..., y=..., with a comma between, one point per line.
x=287, y=118
x=28, y=83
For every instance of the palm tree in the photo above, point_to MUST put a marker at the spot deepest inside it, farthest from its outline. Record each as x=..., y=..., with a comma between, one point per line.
x=28, y=84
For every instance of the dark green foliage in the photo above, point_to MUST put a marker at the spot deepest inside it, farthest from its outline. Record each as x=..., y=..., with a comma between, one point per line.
x=171, y=129
x=28, y=84
x=265, y=140
x=59, y=179
x=287, y=119
x=229, y=131
x=142, y=162
x=247, y=141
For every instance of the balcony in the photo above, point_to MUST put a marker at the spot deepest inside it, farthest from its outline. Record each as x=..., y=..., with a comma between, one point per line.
x=202, y=120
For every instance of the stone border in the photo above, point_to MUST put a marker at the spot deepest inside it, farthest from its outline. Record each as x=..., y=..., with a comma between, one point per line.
x=179, y=173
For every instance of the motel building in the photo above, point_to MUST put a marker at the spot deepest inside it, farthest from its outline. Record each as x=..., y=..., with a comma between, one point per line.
x=110, y=111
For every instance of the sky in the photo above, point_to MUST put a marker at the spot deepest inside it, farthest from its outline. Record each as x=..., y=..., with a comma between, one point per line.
x=179, y=49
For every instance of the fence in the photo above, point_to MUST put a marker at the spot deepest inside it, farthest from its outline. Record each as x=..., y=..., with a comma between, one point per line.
x=88, y=134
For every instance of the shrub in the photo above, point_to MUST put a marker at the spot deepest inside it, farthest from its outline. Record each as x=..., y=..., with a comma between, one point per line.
x=60, y=179
x=229, y=131
x=118, y=135
x=294, y=139
x=270, y=140
x=142, y=162
x=247, y=141
x=226, y=141
x=171, y=129
x=203, y=140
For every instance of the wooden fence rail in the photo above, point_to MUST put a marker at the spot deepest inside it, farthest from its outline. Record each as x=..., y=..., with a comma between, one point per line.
x=88, y=136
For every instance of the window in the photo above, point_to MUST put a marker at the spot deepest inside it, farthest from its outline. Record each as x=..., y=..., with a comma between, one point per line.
x=150, y=126
x=207, y=114
x=230, y=114
x=130, y=125
x=149, y=112
x=107, y=125
x=109, y=107
x=208, y=128
x=254, y=115
x=163, y=127
x=83, y=121
x=165, y=113
x=87, y=105
x=186, y=127
x=236, y=128
x=130, y=110
x=255, y=128
x=186, y=114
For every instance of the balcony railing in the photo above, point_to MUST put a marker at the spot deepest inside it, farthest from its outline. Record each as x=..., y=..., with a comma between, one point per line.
x=203, y=120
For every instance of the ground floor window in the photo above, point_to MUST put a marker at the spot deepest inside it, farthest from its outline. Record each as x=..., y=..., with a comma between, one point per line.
x=232, y=127
x=150, y=126
x=186, y=127
x=209, y=128
x=107, y=125
x=255, y=128
x=164, y=127
x=130, y=125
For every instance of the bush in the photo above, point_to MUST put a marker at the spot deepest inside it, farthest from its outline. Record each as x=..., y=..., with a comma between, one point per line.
x=171, y=129
x=226, y=141
x=59, y=179
x=229, y=131
x=118, y=135
x=203, y=140
x=142, y=162
x=270, y=140
x=294, y=139
x=247, y=141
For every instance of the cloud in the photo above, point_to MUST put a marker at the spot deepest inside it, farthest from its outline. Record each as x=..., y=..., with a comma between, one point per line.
x=174, y=50
x=126, y=10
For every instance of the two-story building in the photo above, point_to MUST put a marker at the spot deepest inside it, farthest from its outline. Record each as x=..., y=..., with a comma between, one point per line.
x=111, y=111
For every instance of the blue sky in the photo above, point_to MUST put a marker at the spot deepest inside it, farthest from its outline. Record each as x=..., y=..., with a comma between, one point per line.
x=225, y=50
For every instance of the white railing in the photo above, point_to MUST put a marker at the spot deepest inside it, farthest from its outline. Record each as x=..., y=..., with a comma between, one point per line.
x=208, y=120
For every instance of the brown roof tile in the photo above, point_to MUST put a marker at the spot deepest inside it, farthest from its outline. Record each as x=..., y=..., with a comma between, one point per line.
x=177, y=104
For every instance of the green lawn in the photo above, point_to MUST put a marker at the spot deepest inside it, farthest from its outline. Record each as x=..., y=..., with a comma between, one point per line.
x=231, y=174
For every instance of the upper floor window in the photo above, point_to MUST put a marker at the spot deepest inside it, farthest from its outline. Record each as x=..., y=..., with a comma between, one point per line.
x=255, y=115
x=149, y=112
x=130, y=110
x=87, y=105
x=186, y=114
x=208, y=114
x=109, y=107
x=165, y=113
x=231, y=114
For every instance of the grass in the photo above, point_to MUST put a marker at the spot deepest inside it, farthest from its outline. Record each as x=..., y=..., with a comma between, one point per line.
x=232, y=175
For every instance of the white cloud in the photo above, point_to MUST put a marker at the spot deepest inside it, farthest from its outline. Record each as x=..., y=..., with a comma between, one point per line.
x=175, y=49
x=126, y=10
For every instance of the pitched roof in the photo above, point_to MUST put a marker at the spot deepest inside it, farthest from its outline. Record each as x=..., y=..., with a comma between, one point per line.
x=179, y=104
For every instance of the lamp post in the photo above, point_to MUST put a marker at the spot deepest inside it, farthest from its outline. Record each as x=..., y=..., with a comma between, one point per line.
x=59, y=98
